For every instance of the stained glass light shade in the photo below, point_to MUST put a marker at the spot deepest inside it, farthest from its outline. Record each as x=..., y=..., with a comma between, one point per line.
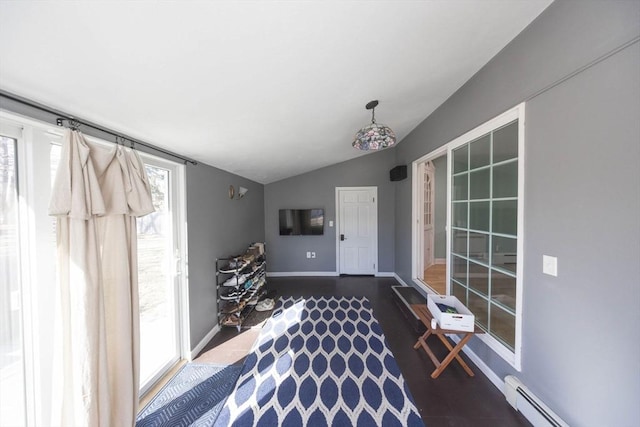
x=374, y=137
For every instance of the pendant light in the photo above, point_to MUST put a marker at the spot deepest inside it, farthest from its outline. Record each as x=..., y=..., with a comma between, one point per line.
x=374, y=136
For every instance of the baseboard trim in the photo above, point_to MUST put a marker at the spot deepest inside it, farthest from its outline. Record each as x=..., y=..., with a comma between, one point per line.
x=203, y=342
x=495, y=380
x=301, y=273
x=321, y=274
x=385, y=274
x=402, y=282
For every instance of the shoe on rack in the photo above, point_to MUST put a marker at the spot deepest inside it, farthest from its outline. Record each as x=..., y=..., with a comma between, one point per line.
x=233, y=266
x=236, y=262
x=253, y=301
x=231, y=321
x=233, y=295
x=229, y=308
x=235, y=280
x=257, y=266
x=257, y=284
x=265, y=305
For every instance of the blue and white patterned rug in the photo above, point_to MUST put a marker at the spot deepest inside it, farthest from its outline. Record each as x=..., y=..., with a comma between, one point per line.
x=193, y=397
x=320, y=362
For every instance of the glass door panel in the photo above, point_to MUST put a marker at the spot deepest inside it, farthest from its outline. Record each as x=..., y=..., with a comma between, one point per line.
x=505, y=143
x=505, y=180
x=503, y=325
x=480, y=308
x=479, y=214
x=12, y=363
x=480, y=152
x=489, y=188
x=156, y=280
x=480, y=184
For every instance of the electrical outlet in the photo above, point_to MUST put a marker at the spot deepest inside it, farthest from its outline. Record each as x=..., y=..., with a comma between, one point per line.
x=313, y=254
x=308, y=254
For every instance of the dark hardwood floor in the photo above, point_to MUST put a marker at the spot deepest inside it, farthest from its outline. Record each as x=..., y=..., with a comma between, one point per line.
x=454, y=399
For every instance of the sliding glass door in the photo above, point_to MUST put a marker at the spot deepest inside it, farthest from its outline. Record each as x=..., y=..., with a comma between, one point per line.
x=29, y=156
x=484, y=172
x=12, y=358
x=484, y=234
x=28, y=160
x=159, y=275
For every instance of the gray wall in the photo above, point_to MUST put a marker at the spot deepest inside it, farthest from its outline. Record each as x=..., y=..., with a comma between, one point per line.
x=218, y=227
x=316, y=189
x=591, y=224
x=581, y=341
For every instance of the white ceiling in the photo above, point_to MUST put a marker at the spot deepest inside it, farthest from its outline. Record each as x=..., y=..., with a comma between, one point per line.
x=263, y=89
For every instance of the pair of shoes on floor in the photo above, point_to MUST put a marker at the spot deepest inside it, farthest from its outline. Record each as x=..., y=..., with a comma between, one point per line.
x=265, y=305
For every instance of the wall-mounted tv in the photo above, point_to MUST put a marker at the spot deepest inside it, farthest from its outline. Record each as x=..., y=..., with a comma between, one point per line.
x=301, y=222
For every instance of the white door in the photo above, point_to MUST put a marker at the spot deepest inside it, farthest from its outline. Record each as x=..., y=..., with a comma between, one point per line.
x=357, y=230
x=428, y=195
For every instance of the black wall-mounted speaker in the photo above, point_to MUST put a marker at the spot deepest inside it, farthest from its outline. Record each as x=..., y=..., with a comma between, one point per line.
x=398, y=173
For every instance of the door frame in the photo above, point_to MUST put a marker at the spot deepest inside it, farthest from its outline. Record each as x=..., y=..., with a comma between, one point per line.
x=513, y=358
x=373, y=189
x=423, y=169
x=177, y=207
x=417, y=229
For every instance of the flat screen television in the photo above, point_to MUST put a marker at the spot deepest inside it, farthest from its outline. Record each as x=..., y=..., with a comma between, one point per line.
x=301, y=222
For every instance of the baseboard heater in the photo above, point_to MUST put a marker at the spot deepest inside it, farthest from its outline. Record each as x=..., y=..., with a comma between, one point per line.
x=521, y=398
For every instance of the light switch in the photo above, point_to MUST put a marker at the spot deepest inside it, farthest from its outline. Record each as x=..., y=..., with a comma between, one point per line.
x=550, y=265
x=308, y=254
x=330, y=223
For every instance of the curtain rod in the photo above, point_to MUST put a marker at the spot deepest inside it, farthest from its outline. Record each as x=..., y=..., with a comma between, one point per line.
x=74, y=121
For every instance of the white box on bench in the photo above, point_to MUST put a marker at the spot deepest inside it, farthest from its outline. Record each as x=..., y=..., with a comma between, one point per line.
x=464, y=320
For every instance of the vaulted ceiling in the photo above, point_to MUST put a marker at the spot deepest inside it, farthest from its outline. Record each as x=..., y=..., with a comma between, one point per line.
x=263, y=89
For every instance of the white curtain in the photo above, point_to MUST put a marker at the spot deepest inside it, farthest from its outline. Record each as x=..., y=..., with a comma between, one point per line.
x=97, y=195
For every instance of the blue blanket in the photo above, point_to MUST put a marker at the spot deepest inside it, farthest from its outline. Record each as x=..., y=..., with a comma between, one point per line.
x=320, y=362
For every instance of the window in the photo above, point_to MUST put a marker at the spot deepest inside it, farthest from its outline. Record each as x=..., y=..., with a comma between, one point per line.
x=29, y=155
x=484, y=227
